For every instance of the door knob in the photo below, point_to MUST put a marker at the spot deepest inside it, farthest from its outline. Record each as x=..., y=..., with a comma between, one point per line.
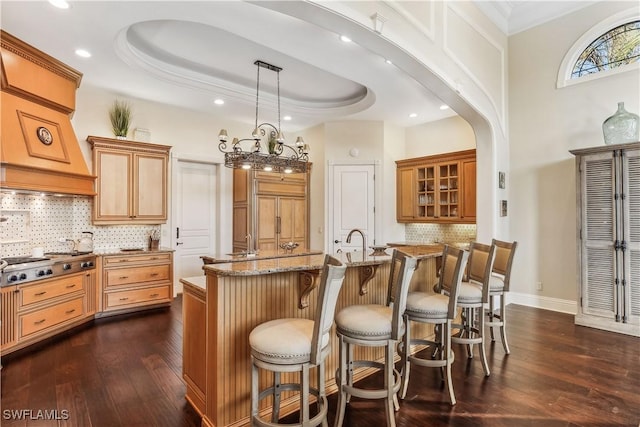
x=179, y=243
x=337, y=241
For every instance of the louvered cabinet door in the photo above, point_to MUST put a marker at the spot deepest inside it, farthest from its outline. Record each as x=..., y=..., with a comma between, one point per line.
x=630, y=184
x=599, y=222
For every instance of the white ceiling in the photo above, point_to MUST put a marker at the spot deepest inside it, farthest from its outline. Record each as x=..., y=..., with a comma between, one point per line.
x=189, y=53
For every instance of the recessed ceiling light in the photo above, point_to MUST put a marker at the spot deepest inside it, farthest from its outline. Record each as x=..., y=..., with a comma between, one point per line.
x=444, y=107
x=286, y=118
x=345, y=39
x=388, y=61
x=83, y=53
x=218, y=101
x=61, y=4
x=413, y=115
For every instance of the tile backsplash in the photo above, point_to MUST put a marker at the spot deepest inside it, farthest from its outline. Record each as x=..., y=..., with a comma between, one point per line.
x=30, y=220
x=432, y=233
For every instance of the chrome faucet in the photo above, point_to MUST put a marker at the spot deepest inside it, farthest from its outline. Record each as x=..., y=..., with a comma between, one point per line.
x=364, y=243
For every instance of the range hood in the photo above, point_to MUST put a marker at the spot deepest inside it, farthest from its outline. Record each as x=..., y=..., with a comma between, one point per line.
x=39, y=150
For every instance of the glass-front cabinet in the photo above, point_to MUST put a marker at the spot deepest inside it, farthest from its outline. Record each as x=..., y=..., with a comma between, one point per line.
x=435, y=188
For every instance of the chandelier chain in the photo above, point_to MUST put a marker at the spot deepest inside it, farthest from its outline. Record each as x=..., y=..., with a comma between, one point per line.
x=257, y=95
x=279, y=127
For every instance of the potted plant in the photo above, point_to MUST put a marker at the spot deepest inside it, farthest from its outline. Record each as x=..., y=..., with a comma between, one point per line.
x=120, y=116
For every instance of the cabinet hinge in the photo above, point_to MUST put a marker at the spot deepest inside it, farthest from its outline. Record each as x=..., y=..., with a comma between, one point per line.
x=616, y=196
x=616, y=281
x=580, y=234
x=623, y=245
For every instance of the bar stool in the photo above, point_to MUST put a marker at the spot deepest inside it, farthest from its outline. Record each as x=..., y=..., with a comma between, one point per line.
x=498, y=286
x=474, y=293
x=296, y=345
x=374, y=325
x=437, y=309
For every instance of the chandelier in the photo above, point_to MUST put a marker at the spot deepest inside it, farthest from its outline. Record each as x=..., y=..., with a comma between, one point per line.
x=278, y=156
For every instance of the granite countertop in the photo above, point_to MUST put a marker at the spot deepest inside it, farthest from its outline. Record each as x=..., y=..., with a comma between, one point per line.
x=262, y=254
x=197, y=281
x=407, y=243
x=266, y=266
x=131, y=251
x=313, y=262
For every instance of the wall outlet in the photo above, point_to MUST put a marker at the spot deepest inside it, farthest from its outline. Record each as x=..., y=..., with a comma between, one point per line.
x=539, y=286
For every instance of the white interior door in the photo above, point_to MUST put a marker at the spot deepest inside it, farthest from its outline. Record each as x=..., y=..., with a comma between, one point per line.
x=351, y=193
x=195, y=195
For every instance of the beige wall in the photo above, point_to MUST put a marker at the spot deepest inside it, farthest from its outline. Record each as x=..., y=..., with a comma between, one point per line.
x=546, y=122
x=442, y=136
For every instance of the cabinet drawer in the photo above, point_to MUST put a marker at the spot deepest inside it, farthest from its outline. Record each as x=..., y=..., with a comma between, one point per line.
x=133, y=275
x=45, y=291
x=41, y=319
x=138, y=296
x=111, y=261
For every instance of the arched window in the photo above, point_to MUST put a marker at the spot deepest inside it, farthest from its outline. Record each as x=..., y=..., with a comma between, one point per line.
x=610, y=47
x=618, y=46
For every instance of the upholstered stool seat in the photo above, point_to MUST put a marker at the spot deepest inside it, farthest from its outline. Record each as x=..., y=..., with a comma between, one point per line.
x=373, y=325
x=439, y=310
x=428, y=306
x=496, y=283
x=470, y=293
x=296, y=345
x=365, y=322
x=474, y=293
x=284, y=341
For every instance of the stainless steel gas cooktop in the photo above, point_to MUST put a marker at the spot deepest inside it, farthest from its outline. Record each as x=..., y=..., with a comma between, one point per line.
x=26, y=269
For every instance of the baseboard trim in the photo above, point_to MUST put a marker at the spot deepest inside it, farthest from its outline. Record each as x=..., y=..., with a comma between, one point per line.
x=547, y=303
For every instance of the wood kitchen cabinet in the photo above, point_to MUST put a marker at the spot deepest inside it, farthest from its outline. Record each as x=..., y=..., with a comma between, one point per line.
x=437, y=189
x=131, y=182
x=272, y=208
x=38, y=310
x=135, y=281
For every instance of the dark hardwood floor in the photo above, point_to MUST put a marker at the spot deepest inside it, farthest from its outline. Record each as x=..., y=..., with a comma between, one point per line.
x=126, y=371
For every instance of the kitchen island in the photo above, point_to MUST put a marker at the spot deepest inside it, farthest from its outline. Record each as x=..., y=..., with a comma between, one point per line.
x=222, y=308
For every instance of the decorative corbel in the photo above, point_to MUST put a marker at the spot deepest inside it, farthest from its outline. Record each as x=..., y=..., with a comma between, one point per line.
x=365, y=274
x=306, y=282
